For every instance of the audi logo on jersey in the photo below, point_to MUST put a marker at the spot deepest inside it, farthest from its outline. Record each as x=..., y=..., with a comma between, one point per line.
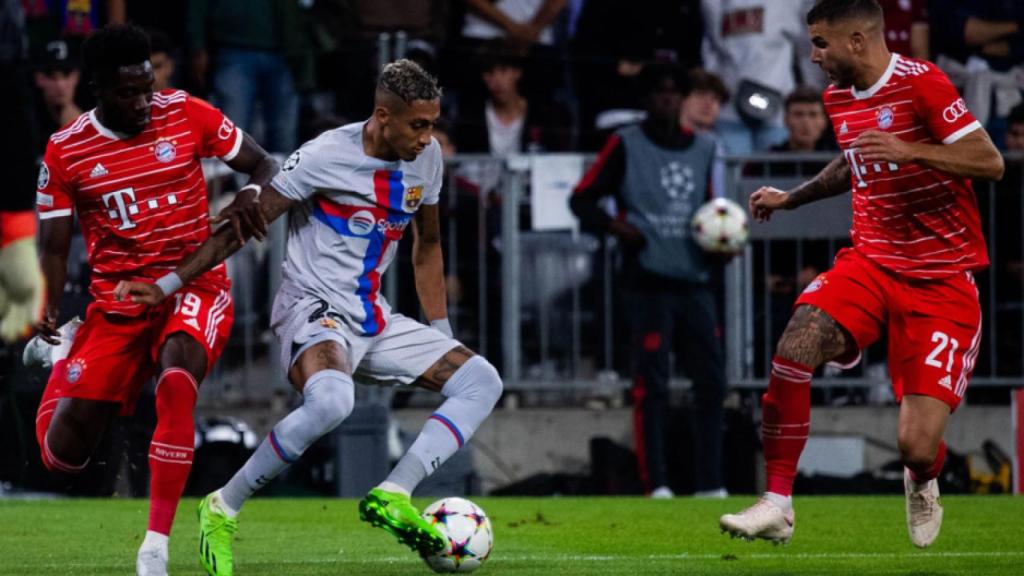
x=226, y=127
x=955, y=111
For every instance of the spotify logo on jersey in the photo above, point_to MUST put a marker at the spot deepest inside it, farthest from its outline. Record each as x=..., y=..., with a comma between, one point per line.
x=361, y=223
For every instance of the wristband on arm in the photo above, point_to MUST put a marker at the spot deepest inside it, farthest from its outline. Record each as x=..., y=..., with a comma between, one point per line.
x=169, y=283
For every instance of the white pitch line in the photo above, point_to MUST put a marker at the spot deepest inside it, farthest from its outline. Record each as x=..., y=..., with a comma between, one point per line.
x=500, y=558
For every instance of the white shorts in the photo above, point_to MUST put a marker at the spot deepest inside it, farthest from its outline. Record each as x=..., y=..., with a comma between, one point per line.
x=400, y=354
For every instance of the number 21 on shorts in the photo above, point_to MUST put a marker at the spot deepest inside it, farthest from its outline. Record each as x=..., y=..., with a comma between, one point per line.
x=945, y=349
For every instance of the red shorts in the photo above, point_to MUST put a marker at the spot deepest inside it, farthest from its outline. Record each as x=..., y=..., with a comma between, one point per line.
x=934, y=326
x=113, y=356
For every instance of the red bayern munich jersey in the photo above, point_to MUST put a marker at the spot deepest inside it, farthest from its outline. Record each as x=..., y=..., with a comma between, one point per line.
x=141, y=200
x=911, y=219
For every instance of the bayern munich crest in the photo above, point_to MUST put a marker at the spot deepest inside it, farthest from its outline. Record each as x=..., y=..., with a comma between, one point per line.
x=816, y=284
x=74, y=371
x=165, y=151
x=886, y=117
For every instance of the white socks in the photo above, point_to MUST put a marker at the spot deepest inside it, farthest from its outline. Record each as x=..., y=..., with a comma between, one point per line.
x=328, y=397
x=472, y=392
x=785, y=503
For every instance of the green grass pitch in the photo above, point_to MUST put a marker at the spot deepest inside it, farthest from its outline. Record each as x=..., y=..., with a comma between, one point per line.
x=587, y=536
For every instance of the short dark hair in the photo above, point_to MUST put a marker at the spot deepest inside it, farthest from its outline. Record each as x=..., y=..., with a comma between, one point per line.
x=114, y=46
x=653, y=73
x=803, y=95
x=700, y=80
x=832, y=11
x=408, y=81
x=1016, y=115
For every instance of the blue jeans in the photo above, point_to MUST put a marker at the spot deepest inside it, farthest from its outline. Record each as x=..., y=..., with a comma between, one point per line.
x=738, y=138
x=241, y=78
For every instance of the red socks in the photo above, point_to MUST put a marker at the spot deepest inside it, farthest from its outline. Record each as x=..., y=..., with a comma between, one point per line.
x=47, y=405
x=785, y=422
x=170, y=452
x=923, y=474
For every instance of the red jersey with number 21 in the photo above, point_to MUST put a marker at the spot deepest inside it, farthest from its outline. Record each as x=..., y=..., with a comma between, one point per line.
x=910, y=219
x=141, y=200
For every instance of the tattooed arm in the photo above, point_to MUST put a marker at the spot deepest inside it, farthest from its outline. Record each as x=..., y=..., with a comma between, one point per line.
x=833, y=180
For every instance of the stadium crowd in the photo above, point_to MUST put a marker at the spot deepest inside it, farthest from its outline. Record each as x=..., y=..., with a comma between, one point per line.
x=519, y=75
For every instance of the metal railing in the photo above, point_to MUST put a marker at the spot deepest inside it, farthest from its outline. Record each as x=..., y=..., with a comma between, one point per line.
x=544, y=305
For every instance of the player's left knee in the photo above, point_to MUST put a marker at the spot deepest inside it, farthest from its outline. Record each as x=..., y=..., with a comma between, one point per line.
x=477, y=380
x=916, y=449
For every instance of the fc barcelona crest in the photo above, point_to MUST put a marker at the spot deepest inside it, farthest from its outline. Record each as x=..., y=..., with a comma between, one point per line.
x=413, y=197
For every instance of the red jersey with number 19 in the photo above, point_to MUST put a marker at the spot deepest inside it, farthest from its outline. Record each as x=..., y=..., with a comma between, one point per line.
x=141, y=200
x=910, y=219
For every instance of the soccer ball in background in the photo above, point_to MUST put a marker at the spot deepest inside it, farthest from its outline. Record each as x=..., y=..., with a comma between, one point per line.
x=720, y=226
x=468, y=533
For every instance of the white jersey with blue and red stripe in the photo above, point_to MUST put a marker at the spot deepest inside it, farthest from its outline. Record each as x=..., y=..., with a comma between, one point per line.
x=355, y=209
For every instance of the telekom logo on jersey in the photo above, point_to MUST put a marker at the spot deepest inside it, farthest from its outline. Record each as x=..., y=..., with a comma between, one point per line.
x=860, y=169
x=121, y=205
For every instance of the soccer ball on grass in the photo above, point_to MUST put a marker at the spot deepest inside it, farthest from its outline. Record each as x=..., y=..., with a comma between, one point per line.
x=467, y=531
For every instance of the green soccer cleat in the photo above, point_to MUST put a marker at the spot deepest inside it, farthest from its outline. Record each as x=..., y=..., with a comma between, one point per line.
x=215, y=532
x=396, y=515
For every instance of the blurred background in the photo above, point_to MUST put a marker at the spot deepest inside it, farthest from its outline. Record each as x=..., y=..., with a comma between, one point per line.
x=532, y=90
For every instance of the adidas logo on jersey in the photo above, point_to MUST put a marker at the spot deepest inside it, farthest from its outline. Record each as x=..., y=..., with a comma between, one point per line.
x=97, y=171
x=946, y=382
x=193, y=323
x=843, y=128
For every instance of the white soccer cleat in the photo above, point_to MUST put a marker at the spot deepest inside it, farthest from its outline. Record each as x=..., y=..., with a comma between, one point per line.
x=762, y=520
x=152, y=561
x=39, y=353
x=924, y=512
x=662, y=493
x=716, y=494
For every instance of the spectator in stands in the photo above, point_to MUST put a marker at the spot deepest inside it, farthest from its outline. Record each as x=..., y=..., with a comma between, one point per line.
x=524, y=27
x=611, y=40
x=56, y=79
x=244, y=48
x=1015, y=129
x=990, y=29
x=160, y=56
x=906, y=27
x=658, y=174
x=521, y=23
x=761, y=51
x=505, y=122
x=806, y=123
x=703, y=101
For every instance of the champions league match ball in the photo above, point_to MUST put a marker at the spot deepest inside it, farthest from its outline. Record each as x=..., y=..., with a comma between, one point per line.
x=468, y=533
x=720, y=226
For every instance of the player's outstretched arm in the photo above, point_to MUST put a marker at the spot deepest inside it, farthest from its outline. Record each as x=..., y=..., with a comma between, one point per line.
x=223, y=243
x=972, y=156
x=833, y=180
x=428, y=262
x=253, y=160
x=55, y=241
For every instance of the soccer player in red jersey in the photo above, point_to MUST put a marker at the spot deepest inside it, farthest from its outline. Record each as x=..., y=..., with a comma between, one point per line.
x=131, y=171
x=910, y=148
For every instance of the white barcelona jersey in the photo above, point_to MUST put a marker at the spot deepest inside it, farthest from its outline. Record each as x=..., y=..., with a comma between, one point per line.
x=354, y=211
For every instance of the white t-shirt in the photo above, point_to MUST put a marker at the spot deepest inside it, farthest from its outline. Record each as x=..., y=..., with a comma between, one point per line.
x=520, y=11
x=355, y=209
x=503, y=138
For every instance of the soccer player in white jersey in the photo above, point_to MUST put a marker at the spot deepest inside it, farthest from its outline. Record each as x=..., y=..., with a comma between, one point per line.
x=910, y=149
x=352, y=191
